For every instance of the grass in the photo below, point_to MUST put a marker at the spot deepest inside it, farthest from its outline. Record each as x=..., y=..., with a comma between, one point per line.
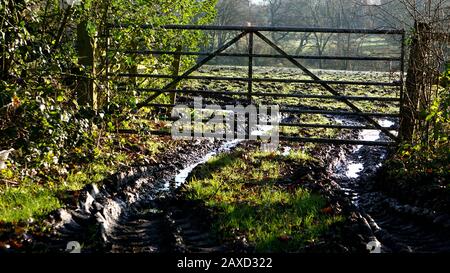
x=297, y=88
x=246, y=191
x=93, y=173
x=34, y=197
x=31, y=200
x=23, y=203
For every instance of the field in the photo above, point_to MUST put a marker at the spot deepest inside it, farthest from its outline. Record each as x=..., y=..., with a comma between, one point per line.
x=277, y=93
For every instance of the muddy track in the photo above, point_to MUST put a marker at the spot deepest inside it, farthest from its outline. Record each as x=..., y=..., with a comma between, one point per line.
x=399, y=227
x=170, y=226
x=133, y=210
x=140, y=210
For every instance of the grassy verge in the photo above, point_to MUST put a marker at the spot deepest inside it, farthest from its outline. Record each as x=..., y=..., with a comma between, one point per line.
x=26, y=202
x=256, y=197
x=31, y=200
x=32, y=197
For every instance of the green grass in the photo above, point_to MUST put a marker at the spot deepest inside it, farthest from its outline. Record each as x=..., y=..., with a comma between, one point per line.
x=23, y=203
x=30, y=200
x=244, y=190
x=93, y=173
x=35, y=200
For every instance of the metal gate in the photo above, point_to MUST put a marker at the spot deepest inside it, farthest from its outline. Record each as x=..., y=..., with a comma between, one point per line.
x=335, y=89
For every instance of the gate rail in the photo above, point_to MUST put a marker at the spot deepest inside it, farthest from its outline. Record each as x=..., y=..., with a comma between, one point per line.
x=251, y=31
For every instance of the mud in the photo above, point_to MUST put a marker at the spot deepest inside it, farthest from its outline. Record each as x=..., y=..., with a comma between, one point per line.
x=140, y=210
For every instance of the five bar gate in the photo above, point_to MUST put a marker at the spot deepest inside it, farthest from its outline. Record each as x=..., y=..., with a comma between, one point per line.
x=329, y=85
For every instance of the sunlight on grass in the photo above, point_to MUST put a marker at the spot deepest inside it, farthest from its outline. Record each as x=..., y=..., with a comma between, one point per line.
x=25, y=202
x=30, y=200
x=241, y=187
x=95, y=173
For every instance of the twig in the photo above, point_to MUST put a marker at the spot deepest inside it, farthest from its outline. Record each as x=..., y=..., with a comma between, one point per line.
x=6, y=181
x=62, y=25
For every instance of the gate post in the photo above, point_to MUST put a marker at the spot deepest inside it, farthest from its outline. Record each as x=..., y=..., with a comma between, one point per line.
x=175, y=71
x=414, y=81
x=87, y=94
x=402, y=81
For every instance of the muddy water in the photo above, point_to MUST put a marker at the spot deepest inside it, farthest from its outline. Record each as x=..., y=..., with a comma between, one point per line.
x=182, y=175
x=396, y=227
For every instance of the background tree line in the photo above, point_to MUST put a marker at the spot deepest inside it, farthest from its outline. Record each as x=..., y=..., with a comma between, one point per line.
x=376, y=14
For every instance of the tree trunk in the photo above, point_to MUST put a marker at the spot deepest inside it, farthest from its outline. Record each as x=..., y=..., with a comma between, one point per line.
x=414, y=82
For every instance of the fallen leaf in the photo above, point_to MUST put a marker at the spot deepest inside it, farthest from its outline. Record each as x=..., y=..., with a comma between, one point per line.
x=15, y=244
x=327, y=210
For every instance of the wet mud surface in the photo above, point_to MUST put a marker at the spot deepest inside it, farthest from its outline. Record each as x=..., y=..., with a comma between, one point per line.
x=141, y=211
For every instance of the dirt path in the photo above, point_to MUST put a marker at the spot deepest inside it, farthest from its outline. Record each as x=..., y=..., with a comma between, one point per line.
x=397, y=227
x=141, y=212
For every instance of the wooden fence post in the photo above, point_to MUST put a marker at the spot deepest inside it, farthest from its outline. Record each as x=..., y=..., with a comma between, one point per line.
x=86, y=92
x=414, y=81
x=175, y=71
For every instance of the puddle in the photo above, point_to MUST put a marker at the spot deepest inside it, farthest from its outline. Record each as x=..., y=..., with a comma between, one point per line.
x=373, y=135
x=181, y=177
x=353, y=170
x=262, y=130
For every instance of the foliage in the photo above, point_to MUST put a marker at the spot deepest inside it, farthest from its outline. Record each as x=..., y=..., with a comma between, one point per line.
x=60, y=144
x=444, y=79
x=155, y=14
x=431, y=155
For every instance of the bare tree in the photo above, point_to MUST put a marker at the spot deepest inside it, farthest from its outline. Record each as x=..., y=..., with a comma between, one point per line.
x=428, y=52
x=348, y=15
x=277, y=10
x=229, y=12
x=321, y=12
x=296, y=15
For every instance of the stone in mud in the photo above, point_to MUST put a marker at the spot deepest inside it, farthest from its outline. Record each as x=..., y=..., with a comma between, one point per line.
x=440, y=219
x=64, y=216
